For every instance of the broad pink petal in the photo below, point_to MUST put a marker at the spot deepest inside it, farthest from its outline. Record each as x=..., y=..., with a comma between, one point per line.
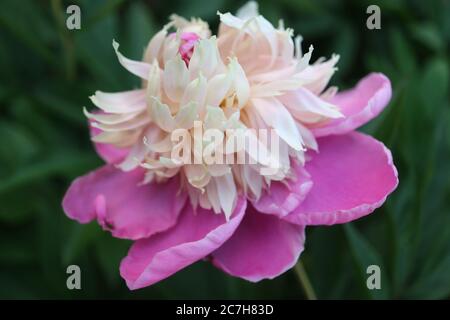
x=359, y=105
x=108, y=152
x=352, y=175
x=281, y=198
x=263, y=247
x=123, y=206
x=196, y=235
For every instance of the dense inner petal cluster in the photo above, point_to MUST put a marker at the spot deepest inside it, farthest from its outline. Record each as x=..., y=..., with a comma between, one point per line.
x=251, y=76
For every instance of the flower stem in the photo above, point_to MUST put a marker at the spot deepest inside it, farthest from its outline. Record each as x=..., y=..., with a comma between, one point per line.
x=304, y=281
x=66, y=41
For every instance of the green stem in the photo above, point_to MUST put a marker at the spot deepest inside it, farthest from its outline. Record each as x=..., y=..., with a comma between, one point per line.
x=304, y=281
x=67, y=43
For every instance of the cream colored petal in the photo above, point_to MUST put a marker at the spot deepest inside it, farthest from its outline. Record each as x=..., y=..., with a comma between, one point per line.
x=137, y=68
x=230, y=20
x=213, y=196
x=134, y=157
x=304, y=60
x=329, y=93
x=320, y=74
x=154, y=82
x=195, y=25
x=308, y=137
x=197, y=175
x=134, y=123
x=195, y=91
x=240, y=83
x=214, y=118
x=226, y=189
x=204, y=201
x=170, y=163
x=120, y=102
x=152, y=52
x=163, y=175
x=161, y=145
x=110, y=119
x=205, y=59
x=186, y=116
x=275, y=88
x=287, y=47
x=160, y=114
x=303, y=102
x=247, y=11
x=217, y=170
x=253, y=180
x=171, y=47
x=119, y=139
x=218, y=88
x=270, y=33
x=233, y=121
x=175, y=78
x=276, y=116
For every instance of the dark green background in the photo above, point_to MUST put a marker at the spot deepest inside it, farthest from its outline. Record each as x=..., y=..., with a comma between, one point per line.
x=48, y=72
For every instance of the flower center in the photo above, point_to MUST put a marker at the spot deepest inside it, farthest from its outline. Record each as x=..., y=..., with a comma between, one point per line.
x=188, y=41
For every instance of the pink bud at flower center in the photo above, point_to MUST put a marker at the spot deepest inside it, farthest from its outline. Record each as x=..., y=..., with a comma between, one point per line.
x=188, y=41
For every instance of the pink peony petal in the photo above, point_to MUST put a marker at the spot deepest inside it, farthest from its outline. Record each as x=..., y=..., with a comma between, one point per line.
x=108, y=152
x=121, y=205
x=188, y=41
x=352, y=175
x=196, y=235
x=281, y=198
x=359, y=105
x=263, y=247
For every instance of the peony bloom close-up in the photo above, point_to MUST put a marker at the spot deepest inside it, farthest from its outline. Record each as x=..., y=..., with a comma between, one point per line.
x=247, y=218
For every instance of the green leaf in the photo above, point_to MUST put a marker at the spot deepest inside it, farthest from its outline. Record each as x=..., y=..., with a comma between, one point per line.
x=17, y=247
x=109, y=252
x=64, y=108
x=29, y=26
x=79, y=238
x=17, y=145
x=402, y=52
x=434, y=284
x=97, y=10
x=434, y=87
x=428, y=35
x=63, y=163
x=96, y=54
x=139, y=29
x=364, y=255
x=197, y=8
x=345, y=46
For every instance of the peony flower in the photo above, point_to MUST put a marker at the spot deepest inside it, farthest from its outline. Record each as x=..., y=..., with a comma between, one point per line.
x=247, y=218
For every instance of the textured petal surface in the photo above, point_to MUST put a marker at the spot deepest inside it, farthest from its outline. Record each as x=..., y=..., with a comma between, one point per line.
x=352, y=175
x=281, y=198
x=263, y=247
x=195, y=236
x=121, y=205
x=106, y=151
x=359, y=105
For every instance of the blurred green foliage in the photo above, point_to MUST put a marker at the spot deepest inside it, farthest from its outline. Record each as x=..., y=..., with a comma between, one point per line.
x=48, y=72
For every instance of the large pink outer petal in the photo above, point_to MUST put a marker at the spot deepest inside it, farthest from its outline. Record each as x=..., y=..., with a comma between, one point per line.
x=196, y=235
x=352, y=176
x=263, y=247
x=359, y=105
x=283, y=197
x=123, y=206
x=108, y=152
